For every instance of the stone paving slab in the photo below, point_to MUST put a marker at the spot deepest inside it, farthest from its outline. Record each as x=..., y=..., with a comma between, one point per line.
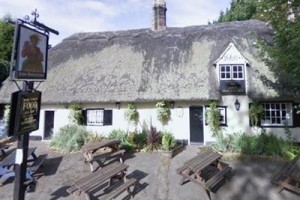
x=250, y=178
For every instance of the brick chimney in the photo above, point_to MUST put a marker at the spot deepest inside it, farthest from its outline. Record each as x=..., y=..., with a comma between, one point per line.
x=159, y=22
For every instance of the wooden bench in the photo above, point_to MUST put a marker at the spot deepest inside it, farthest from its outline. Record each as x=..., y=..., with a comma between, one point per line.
x=82, y=188
x=2, y=149
x=107, y=156
x=216, y=178
x=90, y=155
x=31, y=170
x=121, y=188
x=37, y=163
x=115, y=192
x=284, y=176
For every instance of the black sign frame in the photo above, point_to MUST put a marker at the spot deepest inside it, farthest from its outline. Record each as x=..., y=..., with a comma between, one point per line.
x=25, y=112
x=24, y=36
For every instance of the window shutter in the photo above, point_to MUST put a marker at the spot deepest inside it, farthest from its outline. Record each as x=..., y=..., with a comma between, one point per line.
x=107, y=117
x=296, y=117
x=84, y=117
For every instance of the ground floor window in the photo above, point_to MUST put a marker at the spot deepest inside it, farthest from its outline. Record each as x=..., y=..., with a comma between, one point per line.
x=98, y=117
x=277, y=114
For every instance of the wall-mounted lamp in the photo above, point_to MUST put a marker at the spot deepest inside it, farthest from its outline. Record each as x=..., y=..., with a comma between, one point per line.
x=66, y=105
x=172, y=104
x=118, y=105
x=237, y=105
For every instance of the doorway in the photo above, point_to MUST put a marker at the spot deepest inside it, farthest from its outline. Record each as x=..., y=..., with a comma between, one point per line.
x=49, y=124
x=196, y=124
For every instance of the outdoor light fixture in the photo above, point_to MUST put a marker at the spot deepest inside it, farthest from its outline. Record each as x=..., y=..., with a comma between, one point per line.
x=172, y=104
x=237, y=104
x=118, y=105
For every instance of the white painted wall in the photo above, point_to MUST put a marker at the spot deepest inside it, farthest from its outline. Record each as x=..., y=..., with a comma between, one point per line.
x=179, y=125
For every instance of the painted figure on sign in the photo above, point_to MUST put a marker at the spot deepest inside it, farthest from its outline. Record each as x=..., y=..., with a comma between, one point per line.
x=33, y=62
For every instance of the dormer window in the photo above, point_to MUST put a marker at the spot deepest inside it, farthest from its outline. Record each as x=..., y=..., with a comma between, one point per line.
x=231, y=72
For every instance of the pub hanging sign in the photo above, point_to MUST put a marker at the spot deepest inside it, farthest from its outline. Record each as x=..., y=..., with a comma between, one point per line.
x=31, y=54
x=25, y=112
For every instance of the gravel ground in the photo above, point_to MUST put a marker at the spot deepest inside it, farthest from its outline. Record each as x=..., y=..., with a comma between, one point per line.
x=158, y=180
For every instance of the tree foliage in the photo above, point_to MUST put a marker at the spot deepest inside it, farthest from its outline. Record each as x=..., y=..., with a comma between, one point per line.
x=239, y=10
x=283, y=56
x=6, y=42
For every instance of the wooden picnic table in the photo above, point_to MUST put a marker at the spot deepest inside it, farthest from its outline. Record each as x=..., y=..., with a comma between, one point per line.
x=205, y=169
x=288, y=177
x=34, y=163
x=89, y=151
x=83, y=188
x=11, y=158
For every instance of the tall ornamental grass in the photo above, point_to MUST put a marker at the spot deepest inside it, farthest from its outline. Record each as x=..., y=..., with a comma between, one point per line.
x=266, y=144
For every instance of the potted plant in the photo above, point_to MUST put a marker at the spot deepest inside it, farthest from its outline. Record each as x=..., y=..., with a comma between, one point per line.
x=168, y=144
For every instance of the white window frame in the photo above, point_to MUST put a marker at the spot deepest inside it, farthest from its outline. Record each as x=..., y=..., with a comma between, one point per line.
x=95, y=117
x=231, y=66
x=277, y=111
x=223, y=115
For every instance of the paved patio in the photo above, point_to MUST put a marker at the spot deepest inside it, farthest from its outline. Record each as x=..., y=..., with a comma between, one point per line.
x=249, y=180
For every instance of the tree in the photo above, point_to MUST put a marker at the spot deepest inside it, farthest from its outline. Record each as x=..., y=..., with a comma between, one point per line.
x=283, y=55
x=6, y=41
x=239, y=10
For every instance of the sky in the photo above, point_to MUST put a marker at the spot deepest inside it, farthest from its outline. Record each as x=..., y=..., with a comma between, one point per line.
x=73, y=16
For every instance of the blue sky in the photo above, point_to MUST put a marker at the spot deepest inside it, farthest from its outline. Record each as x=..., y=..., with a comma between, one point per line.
x=72, y=16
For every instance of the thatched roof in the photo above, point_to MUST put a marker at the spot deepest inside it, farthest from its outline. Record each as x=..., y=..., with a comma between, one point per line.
x=143, y=65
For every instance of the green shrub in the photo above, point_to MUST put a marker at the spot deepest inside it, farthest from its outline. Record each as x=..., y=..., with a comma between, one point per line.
x=141, y=139
x=291, y=151
x=212, y=116
x=168, y=141
x=70, y=138
x=222, y=143
x=263, y=144
x=95, y=137
x=123, y=137
x=76, y=115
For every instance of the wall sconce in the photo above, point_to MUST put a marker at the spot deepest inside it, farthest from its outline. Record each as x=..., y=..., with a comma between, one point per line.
x=172, y=104
x=118, y=105
x=66, y=105
x=237, y=105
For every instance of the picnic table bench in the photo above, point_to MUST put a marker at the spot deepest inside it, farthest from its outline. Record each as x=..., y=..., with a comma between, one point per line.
x=2, y=149
x=205, y=169
x=90, y=149
x=34, y=163
x=288, y=177
x=83, y=188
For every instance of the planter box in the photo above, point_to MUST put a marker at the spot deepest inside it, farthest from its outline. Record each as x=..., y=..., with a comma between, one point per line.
x=173, y=152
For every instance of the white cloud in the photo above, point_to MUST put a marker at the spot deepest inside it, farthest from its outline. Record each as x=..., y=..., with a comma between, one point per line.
x=71, y=16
